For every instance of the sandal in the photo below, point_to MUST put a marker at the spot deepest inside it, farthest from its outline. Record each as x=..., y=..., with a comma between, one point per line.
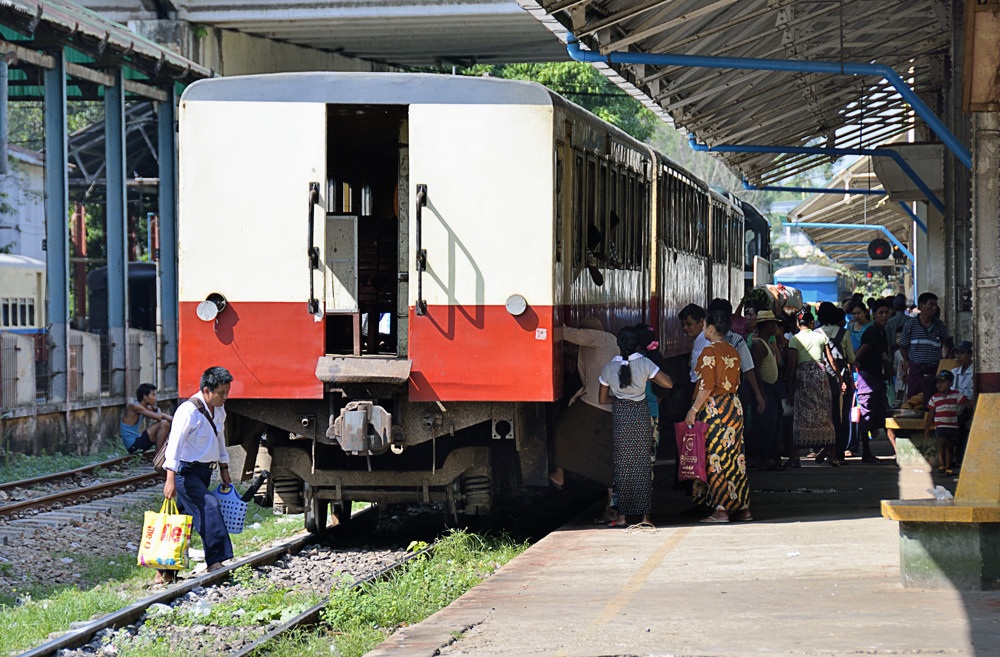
x=742, y=516
x=618, y=522
x=715, y=519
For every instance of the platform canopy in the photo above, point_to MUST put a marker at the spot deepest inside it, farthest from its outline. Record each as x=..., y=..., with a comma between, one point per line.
x=725, y=102
x=862, y=216
x=31, y=29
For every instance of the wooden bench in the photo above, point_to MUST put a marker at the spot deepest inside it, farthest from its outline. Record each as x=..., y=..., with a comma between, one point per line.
x=956, y=543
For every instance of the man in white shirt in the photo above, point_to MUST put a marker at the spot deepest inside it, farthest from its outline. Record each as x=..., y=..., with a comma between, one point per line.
x=964, y=372
x=196, y=446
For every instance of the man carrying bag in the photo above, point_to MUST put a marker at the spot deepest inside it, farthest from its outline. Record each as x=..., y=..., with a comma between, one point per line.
x=197, y=445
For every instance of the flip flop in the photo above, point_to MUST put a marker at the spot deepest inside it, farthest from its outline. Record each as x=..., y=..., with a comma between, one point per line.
x=714, y=520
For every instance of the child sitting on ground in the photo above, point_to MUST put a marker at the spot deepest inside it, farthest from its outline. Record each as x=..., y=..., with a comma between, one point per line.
x=144, y=406
x=942, y=413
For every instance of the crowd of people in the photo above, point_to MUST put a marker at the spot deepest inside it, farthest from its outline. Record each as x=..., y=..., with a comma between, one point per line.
x=770, y=387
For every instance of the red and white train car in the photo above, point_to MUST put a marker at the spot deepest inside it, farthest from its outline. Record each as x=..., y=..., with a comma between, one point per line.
x=384, y=262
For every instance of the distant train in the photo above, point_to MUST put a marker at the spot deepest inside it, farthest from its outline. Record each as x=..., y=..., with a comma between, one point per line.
x=385, y=262
x=22, y=294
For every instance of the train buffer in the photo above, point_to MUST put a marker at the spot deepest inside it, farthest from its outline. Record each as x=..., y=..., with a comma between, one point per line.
x=956, y=543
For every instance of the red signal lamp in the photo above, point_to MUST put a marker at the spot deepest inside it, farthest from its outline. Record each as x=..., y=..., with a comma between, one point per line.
x=879, y=249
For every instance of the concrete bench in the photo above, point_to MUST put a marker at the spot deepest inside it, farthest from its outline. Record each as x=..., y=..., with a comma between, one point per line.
x=913, y=449
x=957, y=543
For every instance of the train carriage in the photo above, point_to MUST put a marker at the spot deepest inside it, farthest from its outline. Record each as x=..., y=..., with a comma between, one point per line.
x=384, y=262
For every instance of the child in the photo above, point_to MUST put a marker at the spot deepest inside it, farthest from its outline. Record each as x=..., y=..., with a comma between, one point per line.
x=942, y=411
x=144, y=406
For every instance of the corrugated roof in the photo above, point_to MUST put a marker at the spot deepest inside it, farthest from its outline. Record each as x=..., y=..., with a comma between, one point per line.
x=779, y=108
x=44, y=24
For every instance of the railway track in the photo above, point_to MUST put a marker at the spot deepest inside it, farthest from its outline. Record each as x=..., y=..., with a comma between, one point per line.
x=276, y=563
x=6, y=487
x=66, y=498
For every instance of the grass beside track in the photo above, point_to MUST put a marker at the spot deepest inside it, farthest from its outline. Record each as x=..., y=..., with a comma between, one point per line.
x=360, y=618
x=35, y=609
x=15, y=467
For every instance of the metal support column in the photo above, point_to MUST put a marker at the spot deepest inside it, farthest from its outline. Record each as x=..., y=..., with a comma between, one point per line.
x=116, y=231
x=986, y=249
x=4, y=124
x=56, y=230
x=166, y=118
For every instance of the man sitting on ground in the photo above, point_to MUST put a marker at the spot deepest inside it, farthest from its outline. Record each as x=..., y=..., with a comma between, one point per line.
x=158, y=422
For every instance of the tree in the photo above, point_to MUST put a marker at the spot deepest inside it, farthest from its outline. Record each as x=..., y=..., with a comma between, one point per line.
x=585, y=86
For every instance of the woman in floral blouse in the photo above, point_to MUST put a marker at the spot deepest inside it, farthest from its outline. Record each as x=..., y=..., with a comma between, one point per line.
x=716, y=403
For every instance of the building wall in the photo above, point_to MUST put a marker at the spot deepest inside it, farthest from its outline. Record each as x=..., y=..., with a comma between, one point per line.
x=22, y=213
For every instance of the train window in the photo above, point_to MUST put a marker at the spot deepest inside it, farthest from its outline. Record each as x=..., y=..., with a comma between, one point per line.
x=23, y=307
x=4, y=312
x=579, y=217
x=559, y=204
x=31, y=312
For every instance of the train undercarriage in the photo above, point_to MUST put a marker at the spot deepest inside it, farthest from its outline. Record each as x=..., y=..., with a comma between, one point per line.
x=459, y=454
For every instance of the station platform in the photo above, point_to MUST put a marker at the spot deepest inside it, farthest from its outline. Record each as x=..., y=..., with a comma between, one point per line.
x=816, y=573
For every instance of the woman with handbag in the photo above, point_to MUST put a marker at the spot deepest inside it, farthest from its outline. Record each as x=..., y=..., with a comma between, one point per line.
x=716, y=404
x=623, y=384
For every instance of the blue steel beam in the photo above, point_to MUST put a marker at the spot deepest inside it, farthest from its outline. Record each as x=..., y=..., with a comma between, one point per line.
x=116, y=232
x=56, y=218
x=831, y=190
x=166, y=265
x=820, y=150
x=790, y=65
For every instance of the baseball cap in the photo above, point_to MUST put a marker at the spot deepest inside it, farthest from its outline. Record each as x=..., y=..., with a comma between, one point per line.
x=965, y=346
x=945, y=375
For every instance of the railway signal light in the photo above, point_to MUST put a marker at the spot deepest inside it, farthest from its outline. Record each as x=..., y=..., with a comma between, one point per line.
x=879, y=249
x=868, y=275
x=898, y=255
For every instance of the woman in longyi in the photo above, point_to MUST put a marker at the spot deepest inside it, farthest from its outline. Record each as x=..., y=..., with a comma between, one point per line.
x=716, y=404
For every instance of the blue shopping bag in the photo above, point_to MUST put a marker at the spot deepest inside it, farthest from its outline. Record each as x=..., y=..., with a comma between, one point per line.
x=234, y=509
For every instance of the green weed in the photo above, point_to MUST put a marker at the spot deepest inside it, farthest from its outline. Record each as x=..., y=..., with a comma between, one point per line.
x=364, y=616
x=14, y=467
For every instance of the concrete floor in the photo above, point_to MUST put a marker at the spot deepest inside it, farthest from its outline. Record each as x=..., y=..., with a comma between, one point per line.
x=816, y=573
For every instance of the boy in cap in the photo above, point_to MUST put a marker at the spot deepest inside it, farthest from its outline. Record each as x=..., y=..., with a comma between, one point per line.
x=964, y=374
x=942, y=413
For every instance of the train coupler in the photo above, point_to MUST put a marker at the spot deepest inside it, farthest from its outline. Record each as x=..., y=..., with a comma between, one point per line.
x=362, y=428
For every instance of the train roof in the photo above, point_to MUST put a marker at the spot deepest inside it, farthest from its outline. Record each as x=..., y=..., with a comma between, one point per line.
x=20, y=261
x=370, y=89
x=364, y=88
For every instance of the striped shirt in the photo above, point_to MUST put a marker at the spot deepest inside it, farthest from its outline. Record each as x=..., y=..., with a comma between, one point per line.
x=946, y=406
x=923, y=343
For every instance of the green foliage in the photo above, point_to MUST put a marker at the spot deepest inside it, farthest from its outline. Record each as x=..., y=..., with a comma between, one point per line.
x=363, y=616
x=585, y=86
x=21, y=466
x=29, y=613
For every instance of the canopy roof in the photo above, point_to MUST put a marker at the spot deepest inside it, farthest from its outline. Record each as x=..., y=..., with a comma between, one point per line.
x=739, y=106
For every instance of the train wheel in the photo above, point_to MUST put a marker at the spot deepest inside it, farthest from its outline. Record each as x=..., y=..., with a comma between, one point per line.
x=317, y=513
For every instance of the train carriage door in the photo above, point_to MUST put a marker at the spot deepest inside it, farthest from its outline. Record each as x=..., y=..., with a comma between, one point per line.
x=251, y=233
x=365, y=155
x=341, y=263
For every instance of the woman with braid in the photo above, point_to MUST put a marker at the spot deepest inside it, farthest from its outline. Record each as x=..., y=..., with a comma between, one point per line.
x=716, y=404
x=623, y=384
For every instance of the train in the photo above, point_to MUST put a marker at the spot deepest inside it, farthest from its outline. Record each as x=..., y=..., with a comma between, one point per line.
x=384, y=261
x=22, y=294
